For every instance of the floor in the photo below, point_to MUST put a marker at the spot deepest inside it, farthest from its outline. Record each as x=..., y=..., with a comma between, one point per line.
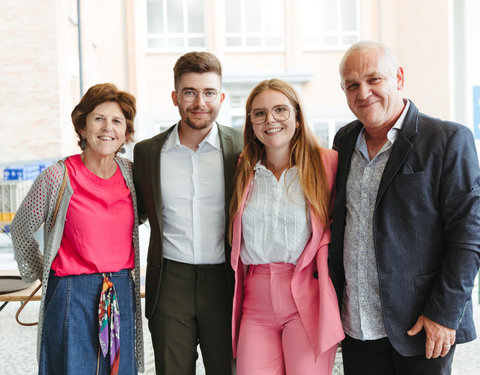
x=18, y=343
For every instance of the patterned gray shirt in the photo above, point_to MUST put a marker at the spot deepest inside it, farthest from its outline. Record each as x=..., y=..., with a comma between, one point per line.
x=362, y=316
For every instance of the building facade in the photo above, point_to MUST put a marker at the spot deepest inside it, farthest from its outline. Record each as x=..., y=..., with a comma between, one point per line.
x=56, y=49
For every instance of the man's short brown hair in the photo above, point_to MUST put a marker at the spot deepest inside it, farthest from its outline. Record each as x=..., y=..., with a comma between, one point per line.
x=196, y=62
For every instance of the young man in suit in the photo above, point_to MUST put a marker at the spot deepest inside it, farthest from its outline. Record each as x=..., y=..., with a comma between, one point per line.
x=183, y=179
x=405, y=243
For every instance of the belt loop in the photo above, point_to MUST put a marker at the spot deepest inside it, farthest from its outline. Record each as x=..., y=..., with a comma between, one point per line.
x=165, y=264
x=251, y=267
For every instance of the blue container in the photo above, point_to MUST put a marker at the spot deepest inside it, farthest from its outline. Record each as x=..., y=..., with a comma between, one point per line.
x=26, y=172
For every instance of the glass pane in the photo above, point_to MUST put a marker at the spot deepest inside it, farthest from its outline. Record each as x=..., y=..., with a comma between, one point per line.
x=349, y=15
x=196, y=42
x=234, y=42
x=233, y=18
x=175, y=16
x=274, y=41
x=274, y=17
x=321, y=131
x=328, y=15
x=155, y=43
x=154, y=17
x=339, y=124
x=254, y=41
x=329, y=40
x=176, y=42
x=348, y=39
x=237, y=121
x=253, y=15
x=195, y=16
x=310, y=41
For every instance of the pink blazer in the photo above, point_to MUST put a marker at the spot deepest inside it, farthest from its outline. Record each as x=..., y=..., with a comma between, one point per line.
x=315, y=297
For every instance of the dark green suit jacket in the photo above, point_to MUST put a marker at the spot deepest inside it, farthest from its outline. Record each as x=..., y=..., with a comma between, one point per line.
x=146, y=174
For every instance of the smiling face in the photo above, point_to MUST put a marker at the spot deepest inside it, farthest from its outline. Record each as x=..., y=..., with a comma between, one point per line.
x=105, y=130
x=198, y=115
x=274, y=134
x=371, y=85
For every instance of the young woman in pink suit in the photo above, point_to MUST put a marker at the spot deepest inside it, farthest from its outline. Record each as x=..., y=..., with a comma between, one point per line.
x=285, y=312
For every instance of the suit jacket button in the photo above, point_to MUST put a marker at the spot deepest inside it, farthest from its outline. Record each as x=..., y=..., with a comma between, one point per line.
x=315, y=274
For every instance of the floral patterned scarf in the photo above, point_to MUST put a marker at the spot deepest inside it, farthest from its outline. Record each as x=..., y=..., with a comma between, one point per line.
x=109, y=324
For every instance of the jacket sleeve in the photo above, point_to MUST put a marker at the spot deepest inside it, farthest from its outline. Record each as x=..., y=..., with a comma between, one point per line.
x=137, y=162
x=459, y=199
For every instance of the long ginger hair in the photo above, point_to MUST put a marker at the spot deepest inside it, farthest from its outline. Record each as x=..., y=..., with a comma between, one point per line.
x=305, y=154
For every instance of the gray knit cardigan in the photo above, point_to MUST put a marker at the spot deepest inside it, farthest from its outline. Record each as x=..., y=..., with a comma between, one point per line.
x=38, y=208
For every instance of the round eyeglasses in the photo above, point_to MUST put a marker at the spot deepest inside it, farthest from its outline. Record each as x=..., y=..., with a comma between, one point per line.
x=189, y=96
x=279, y=112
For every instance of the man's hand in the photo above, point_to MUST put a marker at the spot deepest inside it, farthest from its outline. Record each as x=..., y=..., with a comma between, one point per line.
x=439, y=338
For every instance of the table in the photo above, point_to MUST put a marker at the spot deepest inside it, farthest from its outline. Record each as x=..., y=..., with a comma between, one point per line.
x=23, y=294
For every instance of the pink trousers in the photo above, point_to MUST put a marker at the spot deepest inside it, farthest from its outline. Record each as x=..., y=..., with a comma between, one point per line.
x=272, y=339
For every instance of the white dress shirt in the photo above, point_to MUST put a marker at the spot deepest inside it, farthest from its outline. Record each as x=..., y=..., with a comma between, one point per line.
x=193, y=200
x=275, y=222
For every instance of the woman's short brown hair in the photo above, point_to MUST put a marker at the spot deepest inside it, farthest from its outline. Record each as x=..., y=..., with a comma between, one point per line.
x=101, y=93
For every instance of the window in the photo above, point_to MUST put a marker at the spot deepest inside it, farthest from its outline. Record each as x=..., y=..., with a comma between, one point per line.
x=325, y=130
x=175, y=24
x=254, y=24
x=329, y=23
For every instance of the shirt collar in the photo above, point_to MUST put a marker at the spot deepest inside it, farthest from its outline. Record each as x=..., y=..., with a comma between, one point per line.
x=212, y=138
x=392, y=134
x=262, y=170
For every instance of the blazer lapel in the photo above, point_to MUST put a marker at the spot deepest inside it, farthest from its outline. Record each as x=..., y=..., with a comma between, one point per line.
x=400, y=149
x=228, y=164
x=345, y=152
x=155, y=171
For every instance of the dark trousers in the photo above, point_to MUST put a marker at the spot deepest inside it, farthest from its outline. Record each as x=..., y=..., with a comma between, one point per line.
x=378, y=357
x=194, y=307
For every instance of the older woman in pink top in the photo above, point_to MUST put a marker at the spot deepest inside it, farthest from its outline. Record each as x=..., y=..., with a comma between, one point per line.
x=90, y=318
x=285, y=312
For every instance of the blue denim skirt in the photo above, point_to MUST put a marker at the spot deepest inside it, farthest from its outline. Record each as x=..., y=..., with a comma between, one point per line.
x=70, y=343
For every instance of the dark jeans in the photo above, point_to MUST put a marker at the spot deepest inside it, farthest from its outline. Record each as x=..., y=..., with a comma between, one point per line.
x=70, y=340
x=194, y=307
x=378, y=357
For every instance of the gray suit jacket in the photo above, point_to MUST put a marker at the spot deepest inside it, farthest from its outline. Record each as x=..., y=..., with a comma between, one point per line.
x=146, y=174
x=426, y=227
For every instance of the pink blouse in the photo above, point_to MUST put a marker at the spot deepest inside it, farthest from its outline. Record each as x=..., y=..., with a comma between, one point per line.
x=99, y=224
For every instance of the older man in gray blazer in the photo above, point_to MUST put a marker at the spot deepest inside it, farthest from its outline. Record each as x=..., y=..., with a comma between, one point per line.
x=406, y=225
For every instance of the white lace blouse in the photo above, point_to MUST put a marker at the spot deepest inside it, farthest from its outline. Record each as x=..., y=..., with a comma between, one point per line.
x=275, y=223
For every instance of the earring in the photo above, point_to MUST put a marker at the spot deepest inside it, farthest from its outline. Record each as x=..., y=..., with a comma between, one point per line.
x=122, y=150
x=83, y=144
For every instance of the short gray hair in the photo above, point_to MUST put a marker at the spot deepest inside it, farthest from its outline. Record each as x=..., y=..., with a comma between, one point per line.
x=366, y=45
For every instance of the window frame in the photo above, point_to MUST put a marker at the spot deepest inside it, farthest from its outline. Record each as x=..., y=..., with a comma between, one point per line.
x=243, y=34
x=339, y=33
x=165, y=36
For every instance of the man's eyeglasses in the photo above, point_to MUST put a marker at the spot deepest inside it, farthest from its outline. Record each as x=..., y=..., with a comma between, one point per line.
x=279, y=112
x=190, y=96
